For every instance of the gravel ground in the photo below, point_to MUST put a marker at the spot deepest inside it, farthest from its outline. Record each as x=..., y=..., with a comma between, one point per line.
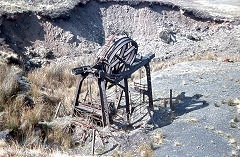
x=202, y=126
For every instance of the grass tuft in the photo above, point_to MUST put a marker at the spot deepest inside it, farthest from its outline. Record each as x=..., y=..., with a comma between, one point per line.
x=145, y=150
x=231, y=102
x=177, y=144
x=192, y=120
x=60, y=137
x=9, y=84
x=158, y=138
x=52, y=84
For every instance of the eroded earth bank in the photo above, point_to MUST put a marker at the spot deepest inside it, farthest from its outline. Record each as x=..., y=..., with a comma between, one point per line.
x=196, y=54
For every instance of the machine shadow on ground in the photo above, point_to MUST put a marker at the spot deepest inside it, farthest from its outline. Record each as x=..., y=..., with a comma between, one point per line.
x=162, y=115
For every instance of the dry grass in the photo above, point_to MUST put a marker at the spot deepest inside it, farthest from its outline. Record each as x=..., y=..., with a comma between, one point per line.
x=16, y=150
x=22, y=120
x=232, y=141
x=52, y=84
x=7, y=55
x=231, y=102
x=145, y=150
x=140, y=73
x=31, y=117
x=158, y=138
x=9, y=91
x=9, y=84
x=23, y=110
x=177, y=144
x=12, y=117
x=59, y=136
x=9, y=88
x=192, y=120
x=48, y=86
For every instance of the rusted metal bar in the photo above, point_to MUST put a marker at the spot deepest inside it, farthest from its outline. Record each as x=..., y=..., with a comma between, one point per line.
x=96, y=106
x=84, y=124
x=95, y=117
x=88, y=109
x=93, y=141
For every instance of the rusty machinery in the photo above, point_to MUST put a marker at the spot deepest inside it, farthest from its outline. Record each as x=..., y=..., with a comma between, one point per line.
x=117, y=63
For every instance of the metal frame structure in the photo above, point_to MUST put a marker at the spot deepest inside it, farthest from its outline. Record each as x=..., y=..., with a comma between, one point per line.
x=116, y=65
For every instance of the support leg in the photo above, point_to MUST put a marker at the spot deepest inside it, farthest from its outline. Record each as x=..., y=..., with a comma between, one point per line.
x=171, y=103
x=147, y=67
x=104, y=105
x=78, y=90
x=127, y=99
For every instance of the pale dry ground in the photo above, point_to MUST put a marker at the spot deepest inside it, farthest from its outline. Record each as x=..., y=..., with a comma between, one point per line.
x=207, y=108
x=224, y=8
x=19, y=6
x=219, y=9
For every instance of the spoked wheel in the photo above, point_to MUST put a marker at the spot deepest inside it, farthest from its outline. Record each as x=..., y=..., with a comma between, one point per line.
x=120, y=55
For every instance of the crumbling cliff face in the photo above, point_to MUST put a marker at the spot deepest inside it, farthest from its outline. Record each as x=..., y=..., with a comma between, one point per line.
x=74, y=33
